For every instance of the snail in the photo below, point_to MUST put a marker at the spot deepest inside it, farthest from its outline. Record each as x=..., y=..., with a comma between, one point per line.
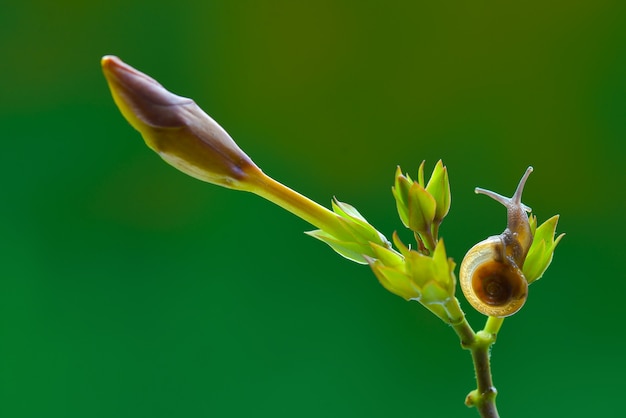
x=491, y=272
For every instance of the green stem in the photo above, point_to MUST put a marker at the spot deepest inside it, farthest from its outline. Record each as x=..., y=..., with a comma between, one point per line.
x=465, y=332
x=435, y=230
x=427, y=240
x=294, y=202
x=479, y=344
x=493, y=326
x=484, y=397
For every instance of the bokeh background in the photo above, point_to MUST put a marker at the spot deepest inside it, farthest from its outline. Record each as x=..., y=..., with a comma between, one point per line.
x=128, y=289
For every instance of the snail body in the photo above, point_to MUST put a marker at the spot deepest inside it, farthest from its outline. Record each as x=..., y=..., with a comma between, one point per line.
x=491, y=273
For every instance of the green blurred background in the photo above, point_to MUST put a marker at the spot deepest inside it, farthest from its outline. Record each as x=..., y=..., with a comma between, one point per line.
x=131, y=290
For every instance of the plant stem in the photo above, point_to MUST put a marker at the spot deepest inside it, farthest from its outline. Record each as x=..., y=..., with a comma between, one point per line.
x=429, y=241
x=294, y=202
x=493, y=326
x=465, y=332
x=479, y=344
x=484, y=396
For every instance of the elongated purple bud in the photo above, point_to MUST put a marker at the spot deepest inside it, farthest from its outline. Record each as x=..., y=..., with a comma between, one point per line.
x=177, y=129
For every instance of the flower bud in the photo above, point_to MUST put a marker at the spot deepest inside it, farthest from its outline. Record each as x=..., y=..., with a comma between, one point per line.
x=439, y=188
x=177, y=129
x=430, y=280
x=416, y=207
x=542, y=248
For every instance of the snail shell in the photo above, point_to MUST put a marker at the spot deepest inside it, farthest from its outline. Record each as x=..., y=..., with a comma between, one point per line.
x=490, y=275
x=492, y=285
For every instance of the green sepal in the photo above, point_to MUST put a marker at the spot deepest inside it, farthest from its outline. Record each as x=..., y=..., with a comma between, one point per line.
x=346, y=210
x=422, y=207
x=433, y=275
x=532, y=222
x=420, y=267
x=394, y=280
x=400, y=192
x=404, y=250
x=353, y=251
x=541, y=250
x=356, y=225
x=387, y=256
x=439, y=188
x=420, y=174
x=353, y=239
x=434, y=293
x=443, y=268
x=439, y=310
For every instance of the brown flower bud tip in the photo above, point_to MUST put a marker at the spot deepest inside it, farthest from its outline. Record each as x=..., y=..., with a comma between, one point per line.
x=177, y=129
x=144, y=96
